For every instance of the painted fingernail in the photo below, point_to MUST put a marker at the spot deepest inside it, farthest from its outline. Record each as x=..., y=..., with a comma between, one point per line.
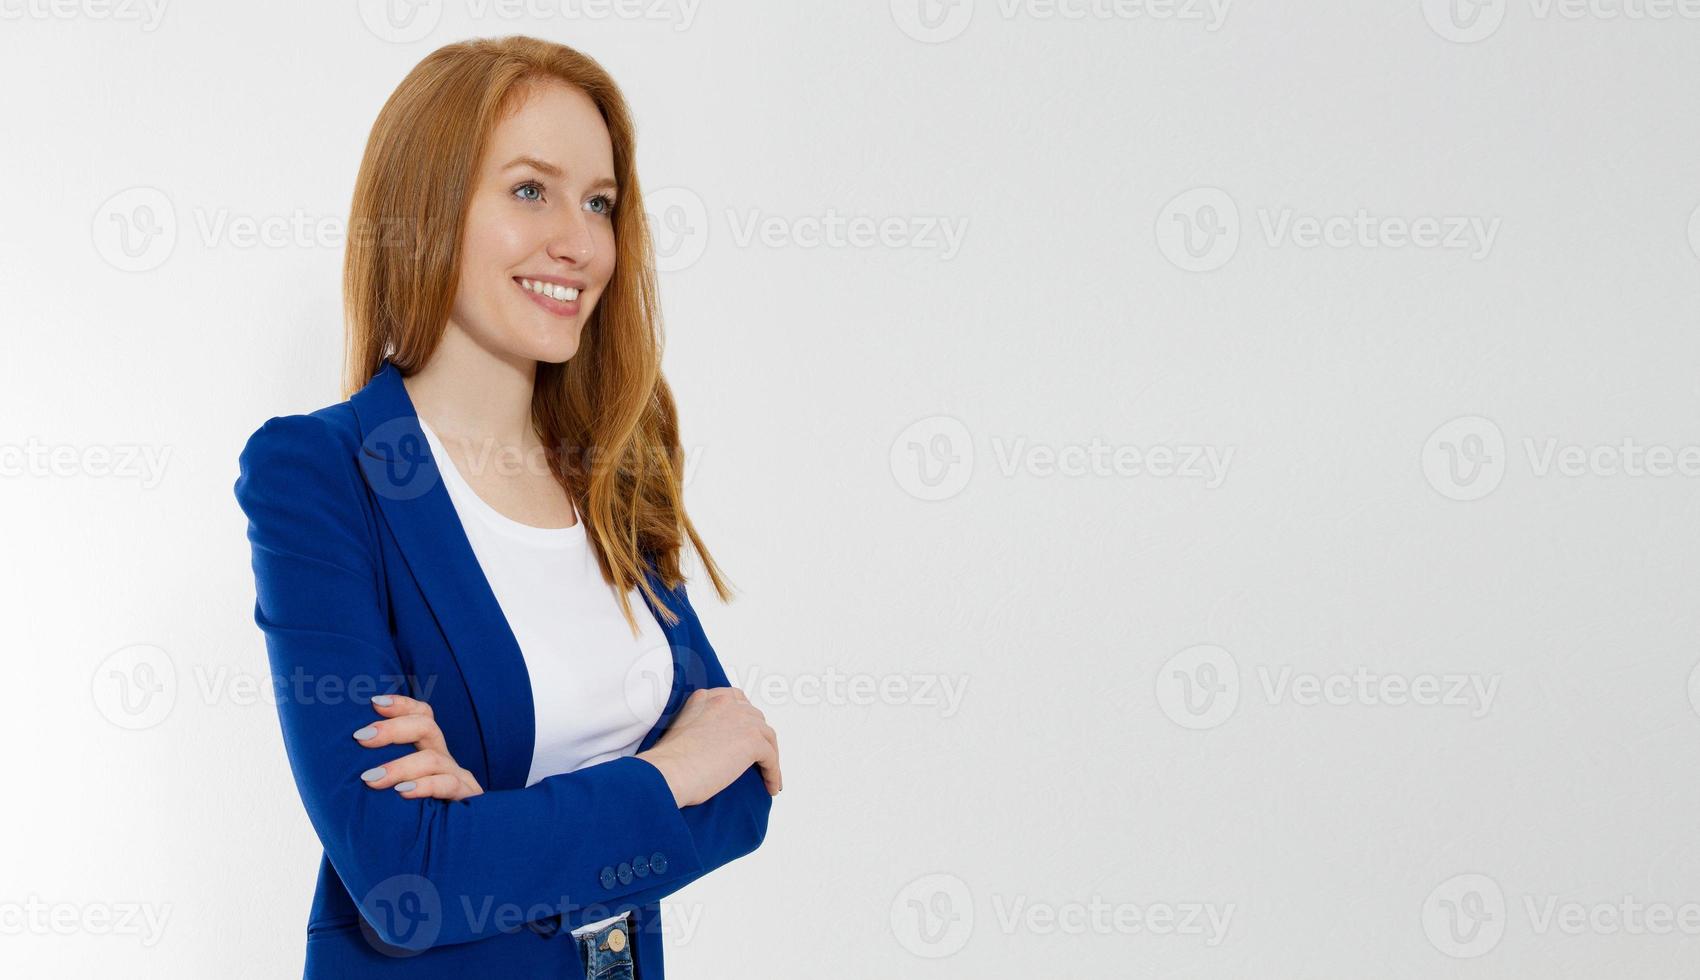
x=373, y=774
x=382, y=700
x=365, y=733
x=404, y=787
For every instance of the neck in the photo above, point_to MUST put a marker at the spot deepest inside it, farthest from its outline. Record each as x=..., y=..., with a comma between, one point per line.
x=469, y=392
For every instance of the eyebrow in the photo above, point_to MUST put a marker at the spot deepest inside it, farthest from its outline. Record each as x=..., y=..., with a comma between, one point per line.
x=552, y=170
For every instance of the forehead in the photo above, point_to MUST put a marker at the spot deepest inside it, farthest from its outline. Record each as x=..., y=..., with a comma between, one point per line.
x=557, y=124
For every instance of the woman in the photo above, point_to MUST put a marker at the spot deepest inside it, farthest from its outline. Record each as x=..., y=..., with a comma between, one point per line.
x=507, y=726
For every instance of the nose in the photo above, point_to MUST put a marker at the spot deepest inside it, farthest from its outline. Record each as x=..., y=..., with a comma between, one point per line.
x=571, y=240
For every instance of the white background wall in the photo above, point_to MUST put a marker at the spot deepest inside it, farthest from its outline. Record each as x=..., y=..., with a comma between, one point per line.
x=892, y=463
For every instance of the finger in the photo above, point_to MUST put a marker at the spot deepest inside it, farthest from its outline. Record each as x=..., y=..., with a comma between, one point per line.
x=442, y=786
x=469, y=784
x=767, y=760
x=415, y=766
x=416, y=730
x=693, y=705
x=770, y=777
x=394, y=705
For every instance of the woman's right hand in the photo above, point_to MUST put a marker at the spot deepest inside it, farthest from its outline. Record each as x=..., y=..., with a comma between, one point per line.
x=717, y=735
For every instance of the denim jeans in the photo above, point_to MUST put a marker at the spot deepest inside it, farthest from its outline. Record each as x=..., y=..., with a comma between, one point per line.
x=607, y=952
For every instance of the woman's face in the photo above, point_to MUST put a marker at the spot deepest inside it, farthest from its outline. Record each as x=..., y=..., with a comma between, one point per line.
x=540, y=218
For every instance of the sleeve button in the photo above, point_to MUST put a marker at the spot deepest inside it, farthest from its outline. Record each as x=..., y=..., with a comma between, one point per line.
x=640, y=866
x=658, y=863
x=625, y=873
x=607, y=878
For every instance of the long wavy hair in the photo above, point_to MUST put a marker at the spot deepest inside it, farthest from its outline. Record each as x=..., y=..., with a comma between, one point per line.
x=606, y=416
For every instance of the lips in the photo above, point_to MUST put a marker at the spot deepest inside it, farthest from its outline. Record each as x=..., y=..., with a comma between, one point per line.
x=564, y=290
x=544, y=293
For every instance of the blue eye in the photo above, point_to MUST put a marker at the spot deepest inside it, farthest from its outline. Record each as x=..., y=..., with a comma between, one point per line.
x=607, y=204
x=532, y=184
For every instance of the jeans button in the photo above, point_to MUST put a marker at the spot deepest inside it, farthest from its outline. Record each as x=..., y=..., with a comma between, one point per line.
x=617, y=940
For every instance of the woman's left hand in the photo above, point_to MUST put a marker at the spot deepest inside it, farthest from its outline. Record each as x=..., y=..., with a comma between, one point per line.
x=429, y=773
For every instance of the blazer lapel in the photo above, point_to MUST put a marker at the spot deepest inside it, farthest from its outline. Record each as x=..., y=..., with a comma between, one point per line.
x=408, y=487
x=404, y=479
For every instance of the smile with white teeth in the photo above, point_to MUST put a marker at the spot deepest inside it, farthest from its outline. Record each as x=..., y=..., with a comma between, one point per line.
x=565, y=294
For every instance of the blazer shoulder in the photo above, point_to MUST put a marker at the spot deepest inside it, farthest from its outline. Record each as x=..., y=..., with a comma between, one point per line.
x=331, y=424
x=297, y=447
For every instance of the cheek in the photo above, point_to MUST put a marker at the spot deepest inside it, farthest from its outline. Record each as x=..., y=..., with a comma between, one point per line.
x=491, y=243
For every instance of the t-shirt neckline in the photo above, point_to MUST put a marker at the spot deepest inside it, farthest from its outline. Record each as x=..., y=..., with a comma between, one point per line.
x=556, y=537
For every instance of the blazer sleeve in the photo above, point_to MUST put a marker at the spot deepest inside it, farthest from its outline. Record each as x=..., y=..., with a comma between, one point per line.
x=726, y=826
x=733, y=822
x=430, y=872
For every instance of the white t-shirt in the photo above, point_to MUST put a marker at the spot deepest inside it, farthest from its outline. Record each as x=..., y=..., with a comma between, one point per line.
x=596, y=690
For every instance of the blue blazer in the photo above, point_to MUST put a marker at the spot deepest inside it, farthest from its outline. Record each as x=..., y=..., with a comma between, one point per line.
x=366, y=584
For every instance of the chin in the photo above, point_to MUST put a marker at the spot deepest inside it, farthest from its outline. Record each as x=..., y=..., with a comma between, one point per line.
x=561, y=345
